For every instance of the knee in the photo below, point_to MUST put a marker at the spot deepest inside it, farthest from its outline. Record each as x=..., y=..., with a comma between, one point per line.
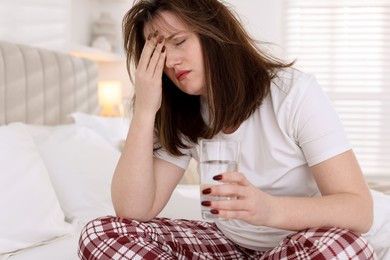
x=107, y=227
x=332, y=243
x=328, y=243
x=97, y=232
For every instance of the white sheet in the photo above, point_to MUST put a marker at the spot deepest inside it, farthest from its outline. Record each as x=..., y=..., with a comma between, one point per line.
x=61, y=249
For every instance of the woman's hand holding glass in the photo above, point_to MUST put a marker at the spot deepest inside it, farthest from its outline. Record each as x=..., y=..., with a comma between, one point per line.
x=148, y=76
x=252, y=204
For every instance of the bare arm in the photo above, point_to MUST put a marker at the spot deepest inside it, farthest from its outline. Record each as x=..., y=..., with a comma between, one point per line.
x=345, y=202
x=142, y=184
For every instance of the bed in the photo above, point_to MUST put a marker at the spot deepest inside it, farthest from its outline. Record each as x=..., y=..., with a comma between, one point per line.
x=57, y=157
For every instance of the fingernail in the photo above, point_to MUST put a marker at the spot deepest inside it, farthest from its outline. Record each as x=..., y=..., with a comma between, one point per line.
x=150, y=36
x=217, y=177
x=206, y=191
x=206, y=203
x=214, y=211
x=161, y=39
x=163, y=49
x=155, y=33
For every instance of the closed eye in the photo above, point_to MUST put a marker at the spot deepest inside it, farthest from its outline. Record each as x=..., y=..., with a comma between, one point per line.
x=181, y=42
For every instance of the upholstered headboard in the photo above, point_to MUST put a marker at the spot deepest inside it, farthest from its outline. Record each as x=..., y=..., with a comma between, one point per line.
x=43, y=87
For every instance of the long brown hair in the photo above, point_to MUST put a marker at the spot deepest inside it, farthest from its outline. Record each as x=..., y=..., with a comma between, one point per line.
x=238, y=74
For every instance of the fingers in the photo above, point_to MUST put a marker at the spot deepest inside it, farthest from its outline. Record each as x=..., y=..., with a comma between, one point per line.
x=233, y=208
x=157, y=57
x=233, y=184
x=157, y=61
x=229, y=209
x=232, y=177
x=229, y=214
x=147, y=52
x=228, y=197
x=225, y=190
x=233, y=205
x=152, y=52
x=242, y=196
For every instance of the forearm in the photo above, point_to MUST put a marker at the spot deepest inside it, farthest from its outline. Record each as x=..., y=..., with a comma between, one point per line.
x=344, y=210
x=133, y=184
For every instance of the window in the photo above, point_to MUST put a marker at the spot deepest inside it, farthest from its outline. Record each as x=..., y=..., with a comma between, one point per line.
x=346, y=44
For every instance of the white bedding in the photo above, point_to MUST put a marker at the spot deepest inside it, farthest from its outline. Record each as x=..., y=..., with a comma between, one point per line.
x=60, y=249
x=54, y=179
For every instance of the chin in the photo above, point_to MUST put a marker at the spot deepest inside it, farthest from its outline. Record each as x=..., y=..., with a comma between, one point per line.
x=191, y=92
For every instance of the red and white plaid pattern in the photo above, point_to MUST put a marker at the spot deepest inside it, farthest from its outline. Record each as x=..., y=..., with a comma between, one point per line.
x=161, y=238
x=322, y=244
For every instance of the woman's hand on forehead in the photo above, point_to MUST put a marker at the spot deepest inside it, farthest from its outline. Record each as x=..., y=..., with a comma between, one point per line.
x=148, y=77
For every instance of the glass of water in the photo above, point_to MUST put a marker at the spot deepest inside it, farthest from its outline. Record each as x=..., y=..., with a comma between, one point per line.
x=216, y=157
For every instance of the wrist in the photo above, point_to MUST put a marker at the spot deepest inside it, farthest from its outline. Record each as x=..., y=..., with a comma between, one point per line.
x=143, y=116
x=275, y=213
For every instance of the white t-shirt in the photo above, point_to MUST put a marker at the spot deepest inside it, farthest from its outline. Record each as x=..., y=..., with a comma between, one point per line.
x=294, y=128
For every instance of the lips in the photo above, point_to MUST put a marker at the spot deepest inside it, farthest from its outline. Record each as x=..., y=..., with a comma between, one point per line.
x=182, y=74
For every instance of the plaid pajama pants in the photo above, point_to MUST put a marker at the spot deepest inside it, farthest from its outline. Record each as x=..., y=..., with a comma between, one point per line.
x=162, y=238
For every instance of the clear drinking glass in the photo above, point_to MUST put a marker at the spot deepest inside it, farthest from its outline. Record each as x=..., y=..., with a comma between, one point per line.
x=216, y=157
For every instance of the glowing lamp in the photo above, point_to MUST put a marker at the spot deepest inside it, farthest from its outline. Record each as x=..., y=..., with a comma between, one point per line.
x=110, y=98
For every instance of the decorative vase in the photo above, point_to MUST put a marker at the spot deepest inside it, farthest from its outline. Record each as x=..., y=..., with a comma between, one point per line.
x=104, y=32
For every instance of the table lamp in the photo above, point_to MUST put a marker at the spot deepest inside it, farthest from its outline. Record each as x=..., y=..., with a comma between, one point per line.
x=110, y=98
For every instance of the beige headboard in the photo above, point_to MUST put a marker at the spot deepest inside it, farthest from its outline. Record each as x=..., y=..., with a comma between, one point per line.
x=43, y=87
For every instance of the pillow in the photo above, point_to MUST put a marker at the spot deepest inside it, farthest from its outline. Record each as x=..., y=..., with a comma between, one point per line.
x=31, y=213
x=80, y=164
x=113, y=129
x=187, y=199
x=378, y=236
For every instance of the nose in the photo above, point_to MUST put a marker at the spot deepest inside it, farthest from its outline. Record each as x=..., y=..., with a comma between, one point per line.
x=172, y=58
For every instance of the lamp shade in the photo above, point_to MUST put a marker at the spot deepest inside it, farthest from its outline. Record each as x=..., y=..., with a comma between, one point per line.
x=110, y=97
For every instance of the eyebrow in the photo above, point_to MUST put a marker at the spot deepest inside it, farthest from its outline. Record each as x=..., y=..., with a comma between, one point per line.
x=170, y=37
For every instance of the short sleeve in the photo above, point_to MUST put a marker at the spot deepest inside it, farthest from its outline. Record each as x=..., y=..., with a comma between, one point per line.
x=181, y=161
x=316, y=125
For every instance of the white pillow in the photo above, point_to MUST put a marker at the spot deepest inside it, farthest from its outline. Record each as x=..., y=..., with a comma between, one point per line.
x=113, y=129
x=30, y=211
x=187, y=199
x=80, y=164
x=378, y=236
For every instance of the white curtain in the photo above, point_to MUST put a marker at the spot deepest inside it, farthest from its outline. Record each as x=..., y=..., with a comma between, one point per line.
x=347, y=45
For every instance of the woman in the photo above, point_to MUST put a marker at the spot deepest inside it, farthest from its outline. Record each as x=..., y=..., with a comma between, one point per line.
x=300, y=190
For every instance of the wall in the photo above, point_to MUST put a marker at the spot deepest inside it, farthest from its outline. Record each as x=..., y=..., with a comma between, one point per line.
x=84, y=14
x=263, y=19
x=41, y=23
